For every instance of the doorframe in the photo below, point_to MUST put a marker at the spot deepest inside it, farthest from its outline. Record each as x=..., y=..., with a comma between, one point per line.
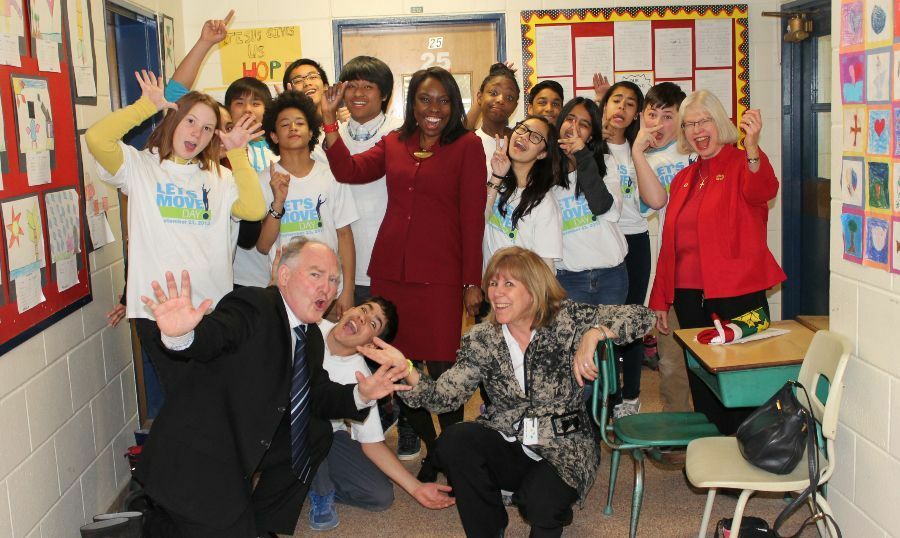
x=792, y=120
x=339, y=25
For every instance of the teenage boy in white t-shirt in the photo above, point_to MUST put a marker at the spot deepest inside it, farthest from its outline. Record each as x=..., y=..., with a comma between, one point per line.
x=302, y=195
x=359, y=467
x=657, y=161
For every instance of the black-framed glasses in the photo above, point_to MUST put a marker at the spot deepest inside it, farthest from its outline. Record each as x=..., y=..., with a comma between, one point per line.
x=533, y=136
x=300, y=79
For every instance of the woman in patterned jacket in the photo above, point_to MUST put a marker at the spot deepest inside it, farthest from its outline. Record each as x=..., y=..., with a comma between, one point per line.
x=534, y=438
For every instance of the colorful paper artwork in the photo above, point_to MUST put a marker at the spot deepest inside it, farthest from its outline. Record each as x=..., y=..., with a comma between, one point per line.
x=24, y=236
x=855, y=130
x=168, y=47
x=852, y=233
x=895, y=188
x=878, y=183
x=81, y=48
x=851, y=24
x=878, y=76
x=896, y=129
x=895, y=73
x=877, y=239
x=895, y=245
x=852, y=178
x=34, y=117
x=853, y=77
x=878, y=21
x=63, y=223
x=46, y=20
x=880, y=134
x=12, y=32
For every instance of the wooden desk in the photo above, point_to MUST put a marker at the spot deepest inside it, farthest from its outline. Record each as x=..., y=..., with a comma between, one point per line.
x=746, y=375
x=815, y=323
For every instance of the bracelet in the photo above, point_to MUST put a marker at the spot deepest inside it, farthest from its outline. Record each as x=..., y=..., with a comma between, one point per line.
x=330, y=127
x=496, y=186
x=467, y=286
x=498, y=177
x=752, y=160
x=275, y=214
x=411, y=367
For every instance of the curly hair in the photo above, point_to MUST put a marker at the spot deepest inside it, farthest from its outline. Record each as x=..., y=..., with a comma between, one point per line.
x=292, y=99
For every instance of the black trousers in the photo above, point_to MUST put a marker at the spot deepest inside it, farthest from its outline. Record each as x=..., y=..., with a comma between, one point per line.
x=694, y=310
x=168, y=368
x=479, y=462
x=637, y=262
x=420, y=418
x=275, y=504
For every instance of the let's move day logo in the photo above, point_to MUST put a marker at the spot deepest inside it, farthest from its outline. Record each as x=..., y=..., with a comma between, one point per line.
x=303, y=215
x=178, y=205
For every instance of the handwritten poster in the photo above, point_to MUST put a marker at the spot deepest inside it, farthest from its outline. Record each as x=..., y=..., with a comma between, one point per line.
x=673, y=53
x=633, y=46
x=594, y=55
x=12, y=33
x=714, y=43
x=82, y=48
x=719, y=83
x=554, y=46
x=263, y=53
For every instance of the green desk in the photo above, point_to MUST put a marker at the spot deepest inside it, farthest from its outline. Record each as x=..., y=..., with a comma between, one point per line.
x=746, y=375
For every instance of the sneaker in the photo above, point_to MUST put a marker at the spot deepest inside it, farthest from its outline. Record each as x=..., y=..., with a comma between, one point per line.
x=408, y=444
x=651, y=353
x=322, y=512
x=427, y=473
x=627, y=408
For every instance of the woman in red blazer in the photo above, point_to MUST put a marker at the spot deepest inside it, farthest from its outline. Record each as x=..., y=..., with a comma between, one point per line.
x=427, y=255
x=714, y=257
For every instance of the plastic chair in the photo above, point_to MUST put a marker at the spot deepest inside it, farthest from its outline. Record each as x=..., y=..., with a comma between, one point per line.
x=717, y=463
x=650, y=432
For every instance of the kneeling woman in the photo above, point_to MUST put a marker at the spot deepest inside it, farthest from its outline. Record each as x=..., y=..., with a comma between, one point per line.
x=534, y=438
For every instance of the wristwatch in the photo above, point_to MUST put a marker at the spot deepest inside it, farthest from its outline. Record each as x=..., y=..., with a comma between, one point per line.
x=275, y=214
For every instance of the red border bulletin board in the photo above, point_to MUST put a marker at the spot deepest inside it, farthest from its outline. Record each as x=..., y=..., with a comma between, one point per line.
x=65, y=177
x=731, y=69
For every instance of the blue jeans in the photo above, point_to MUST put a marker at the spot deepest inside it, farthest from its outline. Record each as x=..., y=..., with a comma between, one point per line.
x=608, y=285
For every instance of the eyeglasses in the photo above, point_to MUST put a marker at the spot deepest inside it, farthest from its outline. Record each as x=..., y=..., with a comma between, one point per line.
x=300, y=79
x=533, y=136
x=695, y=124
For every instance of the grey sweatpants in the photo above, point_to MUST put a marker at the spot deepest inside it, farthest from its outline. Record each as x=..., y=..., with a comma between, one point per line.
x=352, y=476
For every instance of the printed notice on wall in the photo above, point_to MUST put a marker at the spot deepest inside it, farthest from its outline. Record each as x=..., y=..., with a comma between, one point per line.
x=633, y=46
x=673, y=53
x=554, y=51
x=592, y=55
x=718, y=82
x=714, y=47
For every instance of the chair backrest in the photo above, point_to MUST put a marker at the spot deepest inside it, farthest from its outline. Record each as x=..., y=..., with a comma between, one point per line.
x=606, y=384
x=826, y=358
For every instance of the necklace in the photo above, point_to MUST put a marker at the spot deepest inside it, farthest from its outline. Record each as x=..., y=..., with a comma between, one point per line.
x=423, y=152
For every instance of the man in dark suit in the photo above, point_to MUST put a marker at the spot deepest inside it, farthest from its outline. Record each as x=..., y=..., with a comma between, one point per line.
x=229, y=417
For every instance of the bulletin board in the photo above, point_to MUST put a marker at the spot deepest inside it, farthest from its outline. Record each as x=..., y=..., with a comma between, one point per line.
x=869, y=64
x=43, y=260
x=696, y=47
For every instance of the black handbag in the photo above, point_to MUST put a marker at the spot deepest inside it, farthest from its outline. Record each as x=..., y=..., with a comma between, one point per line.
x=774, y=437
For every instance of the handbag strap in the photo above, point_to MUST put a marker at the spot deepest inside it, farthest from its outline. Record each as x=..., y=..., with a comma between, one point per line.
x=812, y=458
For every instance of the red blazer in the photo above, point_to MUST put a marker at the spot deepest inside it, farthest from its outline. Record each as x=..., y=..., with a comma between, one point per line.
x=734, y=256
x=434, y=224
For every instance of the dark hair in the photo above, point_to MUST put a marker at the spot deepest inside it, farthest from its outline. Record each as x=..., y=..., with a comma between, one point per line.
x=303, y=61
x=543, y=175
x=292, y=99
x=664, y=94
x=501, y=70
x=389, y=331
x=596, y=144
x=247, y=86
x=161, y=137
x=632, y=130
x=456, y=124
x=373, y=70
x=546, y=84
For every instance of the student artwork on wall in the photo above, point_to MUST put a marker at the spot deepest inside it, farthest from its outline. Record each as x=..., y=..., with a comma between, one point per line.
x=34, y=125
x=167, y=46
x=46, y=33
x=81, y=50
x=693, y=46
x=852, y=234
x=895, y=244
x=12, y=32
x=869, y=63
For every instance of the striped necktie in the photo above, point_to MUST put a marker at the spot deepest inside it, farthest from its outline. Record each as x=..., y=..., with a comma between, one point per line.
x=300, y=408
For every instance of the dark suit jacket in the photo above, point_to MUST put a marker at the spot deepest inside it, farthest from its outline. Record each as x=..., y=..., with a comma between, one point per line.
x=220, y=419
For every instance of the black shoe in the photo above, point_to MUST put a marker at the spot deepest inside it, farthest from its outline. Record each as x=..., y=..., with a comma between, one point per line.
x=109, y=528
x=408, y=444
x=427, y=473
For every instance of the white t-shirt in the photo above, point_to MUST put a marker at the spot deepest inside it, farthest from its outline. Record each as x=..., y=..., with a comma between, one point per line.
x=251, y=268
x=490, y=146
x=316, y=206
x=371, y=198
x=619, y=165
x=666, y=162
x=343, y=370
x=539, y=231
x=590, y=241
x=179, y=217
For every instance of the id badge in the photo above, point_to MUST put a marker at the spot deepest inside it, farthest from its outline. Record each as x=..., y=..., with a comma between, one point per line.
x=530, y=431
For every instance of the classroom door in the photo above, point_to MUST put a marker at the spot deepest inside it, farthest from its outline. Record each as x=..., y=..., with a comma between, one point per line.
x=806, y=184
x=467, y=49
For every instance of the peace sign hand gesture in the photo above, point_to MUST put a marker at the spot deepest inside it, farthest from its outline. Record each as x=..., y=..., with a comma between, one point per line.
x=500, y=160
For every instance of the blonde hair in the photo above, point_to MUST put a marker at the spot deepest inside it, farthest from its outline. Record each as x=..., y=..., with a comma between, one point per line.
x=705, y=101
x=529, y=269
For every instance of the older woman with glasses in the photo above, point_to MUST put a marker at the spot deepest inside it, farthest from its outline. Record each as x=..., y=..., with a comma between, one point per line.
x=714, y=257
x=519, y=209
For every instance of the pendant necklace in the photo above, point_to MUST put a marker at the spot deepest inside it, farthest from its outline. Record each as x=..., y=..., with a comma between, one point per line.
x=423, y=152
